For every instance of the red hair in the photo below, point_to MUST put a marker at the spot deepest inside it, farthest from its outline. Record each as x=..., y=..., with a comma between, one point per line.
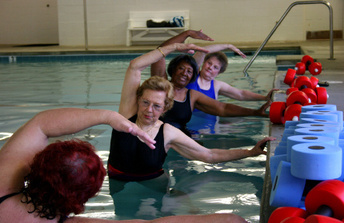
x=63, y=177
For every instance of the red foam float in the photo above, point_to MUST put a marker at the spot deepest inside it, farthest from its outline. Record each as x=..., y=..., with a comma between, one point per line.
x=307, y=60
x=292, y=112
x=291, y=89
x=327, y=194
x=300, y=68
x=302, y=82
x=281, y=213
x=277, y=112
x=311, y=95
x=315, y=68
x=321, y=219
x=289, y=77
x=322, y=95
x=297, y=97
x=314, y=81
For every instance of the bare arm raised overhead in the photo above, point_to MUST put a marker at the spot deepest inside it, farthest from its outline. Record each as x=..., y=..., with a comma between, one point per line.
x=132, y=80
x=199, y=56
x=159, y=68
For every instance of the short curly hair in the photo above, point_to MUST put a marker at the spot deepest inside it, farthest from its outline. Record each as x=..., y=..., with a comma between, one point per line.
x=172, y=66
x=62, y=178
x=221, y=57
x=157, y=83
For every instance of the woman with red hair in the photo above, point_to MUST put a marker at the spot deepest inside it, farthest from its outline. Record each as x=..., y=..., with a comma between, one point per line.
x=42, y=182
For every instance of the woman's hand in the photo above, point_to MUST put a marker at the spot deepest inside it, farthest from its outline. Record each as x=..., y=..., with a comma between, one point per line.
x=262, y=110
x=198, y=35
x=122, y=124
x=189, y=48
x=258, y=149
x=269, y=95
x=236, y=50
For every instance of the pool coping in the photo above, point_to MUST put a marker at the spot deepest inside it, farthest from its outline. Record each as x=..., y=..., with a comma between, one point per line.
x=333, y=72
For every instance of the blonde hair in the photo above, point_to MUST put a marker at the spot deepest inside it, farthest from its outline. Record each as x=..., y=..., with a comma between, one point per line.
x=158, y=84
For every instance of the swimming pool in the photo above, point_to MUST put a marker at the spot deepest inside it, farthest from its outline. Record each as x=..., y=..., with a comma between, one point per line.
x=28, y=87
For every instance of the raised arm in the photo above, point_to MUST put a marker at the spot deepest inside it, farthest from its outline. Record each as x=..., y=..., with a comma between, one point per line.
x=190, y=149
x=214, y=107
x=132, y=80
x=199, y=56
x=159, y=68
x=32, y=137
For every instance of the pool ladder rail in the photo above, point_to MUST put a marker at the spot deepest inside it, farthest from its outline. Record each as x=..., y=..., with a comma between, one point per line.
x=280, y=21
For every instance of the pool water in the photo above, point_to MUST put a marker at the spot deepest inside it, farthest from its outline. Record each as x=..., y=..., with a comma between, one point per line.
x=190, y=187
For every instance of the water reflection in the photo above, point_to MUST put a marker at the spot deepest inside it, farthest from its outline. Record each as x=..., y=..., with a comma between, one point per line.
x=184, y=192
x=189, y=186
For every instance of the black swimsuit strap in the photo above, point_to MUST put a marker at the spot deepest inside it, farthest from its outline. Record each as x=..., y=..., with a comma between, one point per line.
x=8, y=196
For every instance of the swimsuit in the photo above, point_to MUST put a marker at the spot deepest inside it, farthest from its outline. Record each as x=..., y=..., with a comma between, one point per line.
x=202, y=120
x=180, y=114
x=8, y=196
x=195, y=86
x=3, y=198
x=132, y=160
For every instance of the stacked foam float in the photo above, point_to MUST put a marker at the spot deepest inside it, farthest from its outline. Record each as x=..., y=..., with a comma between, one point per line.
x=303, y=91
x=323, y=204
x=308, y=63
x=307, y=168
x=310, y=152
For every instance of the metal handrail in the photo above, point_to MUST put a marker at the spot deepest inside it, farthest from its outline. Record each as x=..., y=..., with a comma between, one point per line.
x=280, y=21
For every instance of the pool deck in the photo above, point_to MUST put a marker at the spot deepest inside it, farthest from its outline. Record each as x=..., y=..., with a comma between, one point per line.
x=333, y=72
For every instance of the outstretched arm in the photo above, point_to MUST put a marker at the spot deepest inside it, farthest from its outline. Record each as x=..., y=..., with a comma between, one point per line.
x=190, y=149
x=32, y=137
x=159, y=68
x=214, y=107
x=241, y=94
x=199, y=56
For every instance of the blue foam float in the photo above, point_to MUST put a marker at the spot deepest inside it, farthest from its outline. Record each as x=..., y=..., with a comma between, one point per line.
x=286, y=189
x=316, y=161
x=319, y=107
x=297, y=139
x=329, y=132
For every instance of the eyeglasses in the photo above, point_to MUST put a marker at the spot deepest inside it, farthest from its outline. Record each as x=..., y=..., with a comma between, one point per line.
x=146, y=103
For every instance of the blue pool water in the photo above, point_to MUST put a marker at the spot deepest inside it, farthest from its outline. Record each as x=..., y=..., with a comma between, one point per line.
x=193, y=187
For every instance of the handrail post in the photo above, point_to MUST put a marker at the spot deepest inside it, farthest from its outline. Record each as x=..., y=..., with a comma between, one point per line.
x=280, y=21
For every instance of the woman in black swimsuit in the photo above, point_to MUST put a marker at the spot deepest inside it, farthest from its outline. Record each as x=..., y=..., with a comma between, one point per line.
x=46, y=183
x=42, y=182
x=183, y=70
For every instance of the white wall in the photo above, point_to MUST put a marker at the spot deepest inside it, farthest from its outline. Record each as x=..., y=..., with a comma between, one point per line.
x=28, y=22
x=224, y=20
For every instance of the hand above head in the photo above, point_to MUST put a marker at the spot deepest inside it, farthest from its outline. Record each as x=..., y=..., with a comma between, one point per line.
x=258, y=149
x=189, y=48
x=198, y=35
x=236, y=50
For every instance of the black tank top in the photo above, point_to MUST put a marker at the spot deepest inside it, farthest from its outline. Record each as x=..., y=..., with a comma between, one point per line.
x=8, y=196
x=180, y=114
x=134, y=158
x=3, y=198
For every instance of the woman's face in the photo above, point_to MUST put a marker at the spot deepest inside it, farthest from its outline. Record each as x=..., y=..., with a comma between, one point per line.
x=151, y=105
x=182, y=75
x=210, y=69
